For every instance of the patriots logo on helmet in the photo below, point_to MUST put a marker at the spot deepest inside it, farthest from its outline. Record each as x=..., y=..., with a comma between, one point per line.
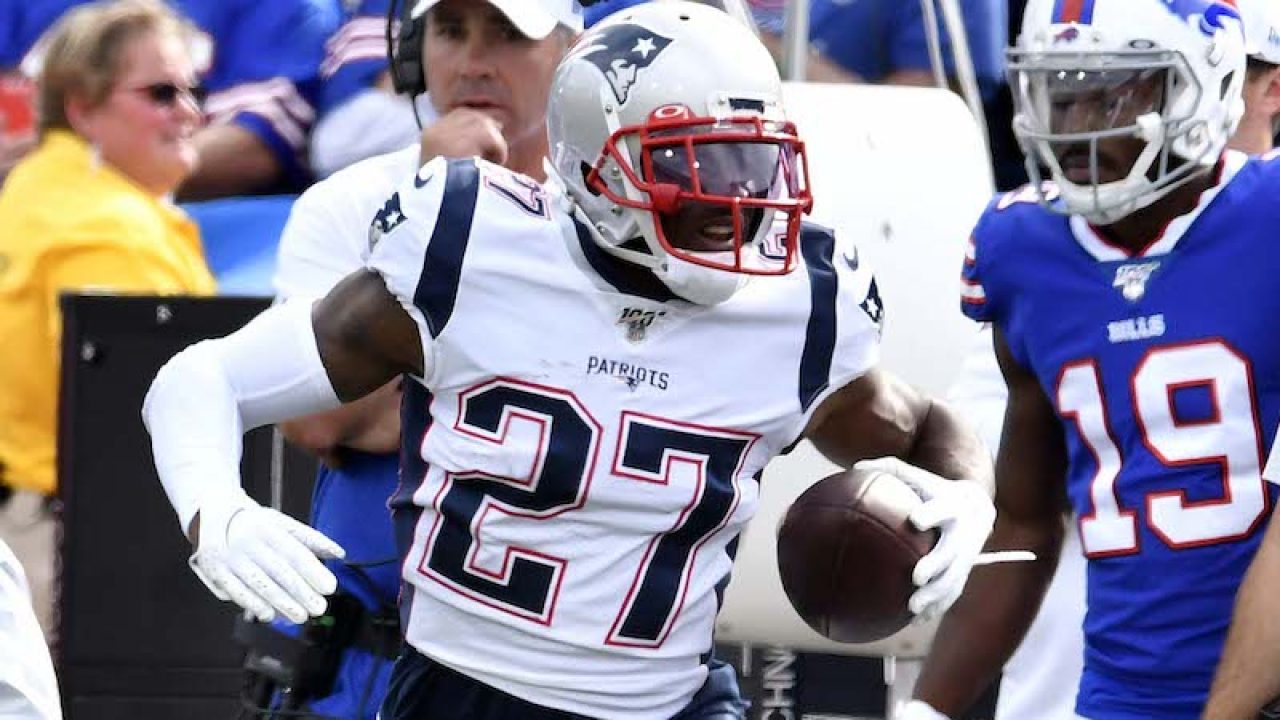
x=621, y=52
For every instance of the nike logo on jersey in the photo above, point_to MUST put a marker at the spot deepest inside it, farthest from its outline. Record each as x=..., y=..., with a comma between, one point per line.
x=1139, y=328
x=850, y=256
x=423, y=176
x=632, y=375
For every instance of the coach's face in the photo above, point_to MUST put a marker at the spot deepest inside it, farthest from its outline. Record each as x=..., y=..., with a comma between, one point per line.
x=474, y=57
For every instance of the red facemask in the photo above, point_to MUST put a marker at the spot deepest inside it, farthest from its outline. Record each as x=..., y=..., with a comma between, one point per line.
x=711, y=183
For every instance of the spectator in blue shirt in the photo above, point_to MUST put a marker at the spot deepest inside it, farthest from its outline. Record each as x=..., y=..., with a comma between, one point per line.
x=360, y=114
x=262, y=76
x=884, y=41
x=263, y=83
x=876, y=41
x=21, y=22
x=765, y=16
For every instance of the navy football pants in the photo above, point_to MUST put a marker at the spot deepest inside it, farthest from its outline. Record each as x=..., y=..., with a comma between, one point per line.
x=423, y=689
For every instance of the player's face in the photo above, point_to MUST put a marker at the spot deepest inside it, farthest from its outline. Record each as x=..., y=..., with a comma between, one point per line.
x=1107, y=105
x=725, y=170
x=144, y=128
x=475, y=58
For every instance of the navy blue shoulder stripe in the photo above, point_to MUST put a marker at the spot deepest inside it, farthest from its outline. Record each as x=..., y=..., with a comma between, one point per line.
x=442, y=267
x=415, y=419
x=816, y=246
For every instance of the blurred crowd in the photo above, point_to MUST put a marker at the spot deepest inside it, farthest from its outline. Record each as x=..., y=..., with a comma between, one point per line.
x=293, y=90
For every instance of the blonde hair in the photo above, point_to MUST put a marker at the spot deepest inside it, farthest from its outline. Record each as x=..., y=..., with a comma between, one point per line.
x=81, y=54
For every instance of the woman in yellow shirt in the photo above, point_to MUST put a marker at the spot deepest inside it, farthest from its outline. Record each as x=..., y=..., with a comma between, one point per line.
x=89, y=208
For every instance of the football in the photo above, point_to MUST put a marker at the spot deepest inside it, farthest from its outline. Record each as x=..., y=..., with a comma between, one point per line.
x=846, y=551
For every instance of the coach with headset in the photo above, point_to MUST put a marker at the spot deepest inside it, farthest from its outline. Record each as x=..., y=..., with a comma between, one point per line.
x=488, y=67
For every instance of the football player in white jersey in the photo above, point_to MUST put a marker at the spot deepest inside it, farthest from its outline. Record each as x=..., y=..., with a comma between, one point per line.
x=596, y=372
x=28, y=688
x=489, y=82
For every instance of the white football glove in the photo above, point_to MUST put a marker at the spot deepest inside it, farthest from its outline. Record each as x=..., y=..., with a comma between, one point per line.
x=263, y=560
x=918, y=710
x=963, y=514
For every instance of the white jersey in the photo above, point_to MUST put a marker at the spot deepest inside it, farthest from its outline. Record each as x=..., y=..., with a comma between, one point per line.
x=327, y=235
x=582, y=450
x=28, y=688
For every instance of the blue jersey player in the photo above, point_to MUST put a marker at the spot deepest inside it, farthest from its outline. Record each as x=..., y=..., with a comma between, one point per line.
x=1134, y=305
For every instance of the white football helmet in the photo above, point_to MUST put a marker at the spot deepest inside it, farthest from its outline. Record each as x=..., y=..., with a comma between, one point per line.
x=1261, y=29
x=667, y=132
x=1167, y=72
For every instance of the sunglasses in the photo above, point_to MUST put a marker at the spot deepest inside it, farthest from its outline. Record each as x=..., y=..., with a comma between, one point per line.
x=166, y=94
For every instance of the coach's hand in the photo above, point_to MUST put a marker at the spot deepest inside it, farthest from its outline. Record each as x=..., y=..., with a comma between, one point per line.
x=963, y=514
x=464, y=132
x=263, y=560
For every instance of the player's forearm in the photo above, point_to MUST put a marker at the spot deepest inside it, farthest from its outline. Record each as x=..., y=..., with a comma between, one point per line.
x=983, y=629
x=233, y=161
x=1248, y=675
x=206, y=396
x=946, y=445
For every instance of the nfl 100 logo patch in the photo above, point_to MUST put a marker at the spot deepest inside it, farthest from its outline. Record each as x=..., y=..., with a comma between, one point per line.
x=636, y=322
x=1132, y=279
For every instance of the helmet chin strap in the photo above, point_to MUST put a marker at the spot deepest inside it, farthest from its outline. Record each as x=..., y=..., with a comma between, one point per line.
x=692, y=282
x=697, y=284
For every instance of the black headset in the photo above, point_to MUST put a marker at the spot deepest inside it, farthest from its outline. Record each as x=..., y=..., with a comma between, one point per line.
x=404, y=55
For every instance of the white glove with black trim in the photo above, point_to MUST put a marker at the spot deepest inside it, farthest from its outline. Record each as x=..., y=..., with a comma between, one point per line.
x=263, y=560
x=963, y=514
